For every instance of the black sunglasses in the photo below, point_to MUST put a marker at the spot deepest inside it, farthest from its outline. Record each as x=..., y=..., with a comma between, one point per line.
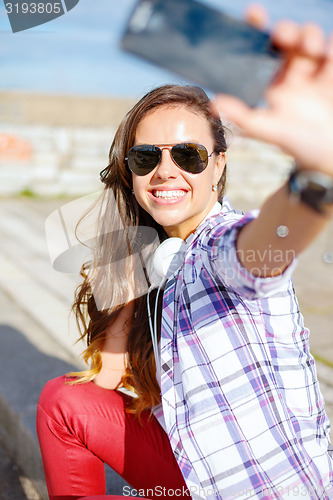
x=191, y=157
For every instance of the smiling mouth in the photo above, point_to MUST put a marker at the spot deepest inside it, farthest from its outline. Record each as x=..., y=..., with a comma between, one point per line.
x=169, y=194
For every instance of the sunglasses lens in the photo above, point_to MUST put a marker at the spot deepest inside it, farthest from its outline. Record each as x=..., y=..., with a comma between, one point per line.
x=192, y=158
x=143, y=159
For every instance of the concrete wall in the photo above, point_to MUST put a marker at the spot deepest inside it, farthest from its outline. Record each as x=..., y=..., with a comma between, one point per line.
x=60, y=161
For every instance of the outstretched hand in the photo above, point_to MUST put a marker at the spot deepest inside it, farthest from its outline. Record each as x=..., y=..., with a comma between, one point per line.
x=299, y=112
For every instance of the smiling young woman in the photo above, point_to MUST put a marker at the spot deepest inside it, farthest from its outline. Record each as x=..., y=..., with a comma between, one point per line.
x=236, y=408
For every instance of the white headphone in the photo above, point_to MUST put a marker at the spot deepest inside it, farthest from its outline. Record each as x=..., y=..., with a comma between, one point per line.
x=165, y=262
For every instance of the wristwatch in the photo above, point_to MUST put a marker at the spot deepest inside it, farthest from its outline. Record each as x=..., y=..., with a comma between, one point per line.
x=313, y=188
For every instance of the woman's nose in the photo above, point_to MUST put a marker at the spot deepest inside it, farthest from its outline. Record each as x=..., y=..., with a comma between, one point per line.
x=167, y=167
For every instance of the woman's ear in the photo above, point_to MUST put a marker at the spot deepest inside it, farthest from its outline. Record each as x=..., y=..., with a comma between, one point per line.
x=219, y=166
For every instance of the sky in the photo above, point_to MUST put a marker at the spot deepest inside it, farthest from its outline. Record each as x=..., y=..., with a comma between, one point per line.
x=79, y=54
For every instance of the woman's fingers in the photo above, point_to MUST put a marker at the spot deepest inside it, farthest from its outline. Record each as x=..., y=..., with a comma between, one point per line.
x=257, y=16
x=313, y=42
x=304, y=47
x=286, y=35
x=299, y=112
x=232, y=108
x=307, y=41
x=251, y=121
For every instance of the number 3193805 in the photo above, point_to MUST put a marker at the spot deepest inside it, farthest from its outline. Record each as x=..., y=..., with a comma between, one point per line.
x=33, y=8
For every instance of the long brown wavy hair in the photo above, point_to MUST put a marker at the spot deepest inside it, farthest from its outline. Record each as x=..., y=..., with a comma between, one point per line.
x=105, y=287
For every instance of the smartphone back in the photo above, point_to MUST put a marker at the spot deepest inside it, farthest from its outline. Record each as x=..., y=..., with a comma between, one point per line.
x=212, y=49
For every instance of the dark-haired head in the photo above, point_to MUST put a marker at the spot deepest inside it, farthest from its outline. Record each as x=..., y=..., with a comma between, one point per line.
x=192, y=97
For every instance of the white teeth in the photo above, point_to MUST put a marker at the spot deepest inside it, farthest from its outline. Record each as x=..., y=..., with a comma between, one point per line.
x=169, y=194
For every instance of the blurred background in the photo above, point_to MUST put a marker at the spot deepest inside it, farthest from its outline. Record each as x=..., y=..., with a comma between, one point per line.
x=64, y=87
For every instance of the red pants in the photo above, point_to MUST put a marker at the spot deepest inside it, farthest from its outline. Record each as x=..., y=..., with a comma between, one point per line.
x=82, y=426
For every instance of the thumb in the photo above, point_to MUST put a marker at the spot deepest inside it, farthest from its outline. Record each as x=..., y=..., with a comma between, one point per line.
x=255, y=122
x=232, y=108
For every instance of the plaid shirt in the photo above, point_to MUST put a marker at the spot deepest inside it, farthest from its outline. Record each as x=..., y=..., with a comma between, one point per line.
x=240, y=397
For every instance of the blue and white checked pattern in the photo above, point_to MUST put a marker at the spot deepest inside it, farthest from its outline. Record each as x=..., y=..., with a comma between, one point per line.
x=240, y=397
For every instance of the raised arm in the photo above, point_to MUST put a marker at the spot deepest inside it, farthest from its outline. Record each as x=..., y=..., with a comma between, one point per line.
x=299, y=119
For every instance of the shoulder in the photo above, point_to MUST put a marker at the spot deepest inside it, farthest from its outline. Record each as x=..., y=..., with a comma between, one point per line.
x=55, y=390
x=59, y=395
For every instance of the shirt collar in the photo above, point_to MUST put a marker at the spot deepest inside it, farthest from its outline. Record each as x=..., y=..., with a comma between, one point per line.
x=216, y=209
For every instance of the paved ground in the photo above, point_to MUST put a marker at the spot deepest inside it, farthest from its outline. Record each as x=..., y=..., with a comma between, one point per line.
x=14, y=485
x=36, y=336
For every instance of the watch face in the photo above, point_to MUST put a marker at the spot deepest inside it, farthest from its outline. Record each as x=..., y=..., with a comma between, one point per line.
x=315, y=189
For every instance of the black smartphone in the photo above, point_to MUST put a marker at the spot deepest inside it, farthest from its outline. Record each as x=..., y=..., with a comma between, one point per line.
x=204, y=45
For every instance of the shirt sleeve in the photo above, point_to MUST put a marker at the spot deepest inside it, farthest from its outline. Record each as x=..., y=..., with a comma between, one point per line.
x=225, y=263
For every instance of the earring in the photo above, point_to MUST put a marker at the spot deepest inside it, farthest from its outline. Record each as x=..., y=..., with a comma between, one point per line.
x=214, y=188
